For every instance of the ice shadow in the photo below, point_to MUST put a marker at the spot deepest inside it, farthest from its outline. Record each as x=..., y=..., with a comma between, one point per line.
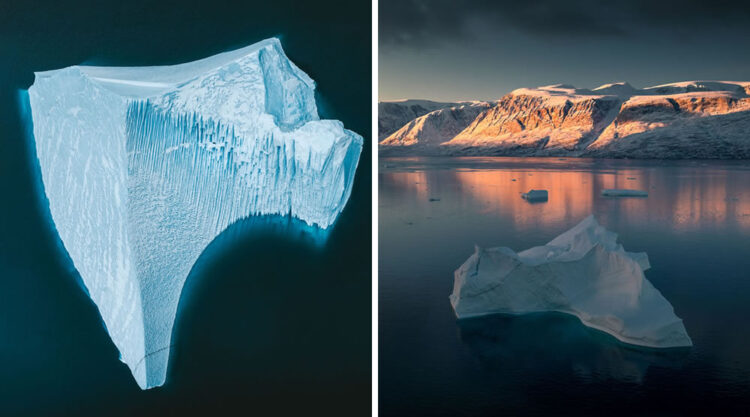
x=271, y=317
x=545, y=343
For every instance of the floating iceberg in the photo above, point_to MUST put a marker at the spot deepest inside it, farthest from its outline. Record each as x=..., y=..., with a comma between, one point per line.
x=624, y=193
x=144, y=166
x=534, y=196
x=583, y=272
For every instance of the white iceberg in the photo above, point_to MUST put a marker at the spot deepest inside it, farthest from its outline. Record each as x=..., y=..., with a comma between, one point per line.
x=144, y=166
x=623, y=192
x=583, y=272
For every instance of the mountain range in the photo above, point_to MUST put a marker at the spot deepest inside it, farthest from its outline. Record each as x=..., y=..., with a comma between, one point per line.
x=692, y=119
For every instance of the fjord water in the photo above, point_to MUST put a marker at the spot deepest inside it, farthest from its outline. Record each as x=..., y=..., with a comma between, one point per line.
x=694, y=225
x=259, y=327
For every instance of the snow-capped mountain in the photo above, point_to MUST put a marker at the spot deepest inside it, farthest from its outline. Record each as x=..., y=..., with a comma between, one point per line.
x=392, y=115
x=437, y=126
x=693, y=119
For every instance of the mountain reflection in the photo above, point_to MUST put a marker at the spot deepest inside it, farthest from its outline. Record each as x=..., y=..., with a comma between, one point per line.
x=685, y=195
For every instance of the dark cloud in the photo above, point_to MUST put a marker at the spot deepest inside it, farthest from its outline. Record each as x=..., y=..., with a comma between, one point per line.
x=422, y=23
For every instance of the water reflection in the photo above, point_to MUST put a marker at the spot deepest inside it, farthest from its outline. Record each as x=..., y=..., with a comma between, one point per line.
x=686, y=195
x=694, y=225
x=542, y=344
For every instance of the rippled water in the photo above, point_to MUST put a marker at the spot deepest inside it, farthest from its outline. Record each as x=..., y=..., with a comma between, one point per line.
x=694, y=225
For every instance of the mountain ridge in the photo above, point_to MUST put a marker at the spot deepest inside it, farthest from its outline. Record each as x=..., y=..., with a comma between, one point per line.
x=689, y=119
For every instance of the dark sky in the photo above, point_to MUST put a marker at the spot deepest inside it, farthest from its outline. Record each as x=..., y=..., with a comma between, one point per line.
x=482, y=49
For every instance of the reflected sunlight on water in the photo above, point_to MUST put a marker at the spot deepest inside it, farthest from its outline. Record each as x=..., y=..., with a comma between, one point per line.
x=685, y=195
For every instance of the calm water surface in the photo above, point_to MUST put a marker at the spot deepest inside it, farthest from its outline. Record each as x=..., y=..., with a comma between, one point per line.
x=695, y=227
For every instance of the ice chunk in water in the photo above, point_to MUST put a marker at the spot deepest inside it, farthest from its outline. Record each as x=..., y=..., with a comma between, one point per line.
x=535, y=196
x=144, y=166
x=583, y=272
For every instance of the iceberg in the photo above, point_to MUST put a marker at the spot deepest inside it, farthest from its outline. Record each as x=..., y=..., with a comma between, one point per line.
x=143, y=167
x=535, y=196
x=583, y=272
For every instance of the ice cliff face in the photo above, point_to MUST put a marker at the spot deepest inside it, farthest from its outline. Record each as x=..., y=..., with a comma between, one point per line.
x=583, y=272
x=392, y=115
x=696, y=119
x=144, y=166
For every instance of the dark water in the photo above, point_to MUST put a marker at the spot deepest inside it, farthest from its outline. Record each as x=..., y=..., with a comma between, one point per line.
x=695, y=227
x=274, y=318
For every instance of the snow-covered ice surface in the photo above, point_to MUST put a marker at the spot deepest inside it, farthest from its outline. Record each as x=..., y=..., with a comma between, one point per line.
x=583, y=272
x=144, y=166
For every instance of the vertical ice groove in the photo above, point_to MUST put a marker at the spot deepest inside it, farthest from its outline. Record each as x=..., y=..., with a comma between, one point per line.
x=144, y=167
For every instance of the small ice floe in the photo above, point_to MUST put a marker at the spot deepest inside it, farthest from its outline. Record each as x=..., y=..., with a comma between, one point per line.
x=534, y=196
x=624, y=193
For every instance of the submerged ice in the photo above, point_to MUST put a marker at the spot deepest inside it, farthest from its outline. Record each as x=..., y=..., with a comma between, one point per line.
x=144, y=166
x=583, y=272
